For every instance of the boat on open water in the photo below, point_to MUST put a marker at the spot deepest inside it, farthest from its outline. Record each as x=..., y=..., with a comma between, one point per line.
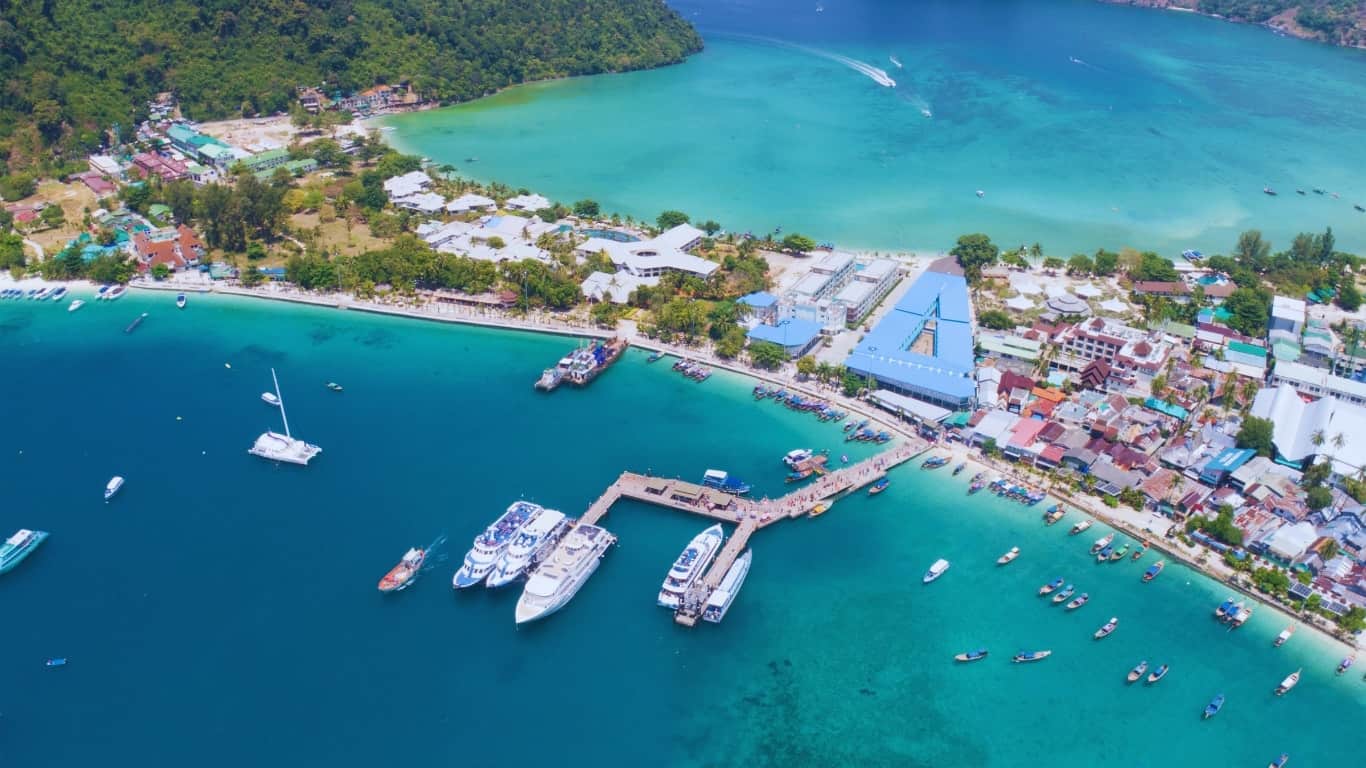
x=1051, y=586
x=1137, y=672
x=1102, y=543
x=1158, y=674
x=112, y=487
x=75, y=305
x=1283, y=636
x=936, y=570
x=1024, y=657
x=1291, y=680
x=1346, y=664
x=560, y=576
x=400, y=576
x=277, y=447
x=1065, y=594
x=18, y=546
x=1280, y=761
x=977, y=655
x=1213, y=707
x=1080, y=600
x=1119, y=554
x=1142, y=550
x=1055, y=513
x=933, y=462
x=531, y=544
x=1154, y=570
x=1009, y=556
x=878, y=487
x=1107, y=629
x=1079, y=527
x=180, y=301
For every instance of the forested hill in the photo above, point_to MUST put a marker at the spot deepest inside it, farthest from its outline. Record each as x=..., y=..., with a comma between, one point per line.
x=72, y=67
x=1341, y=22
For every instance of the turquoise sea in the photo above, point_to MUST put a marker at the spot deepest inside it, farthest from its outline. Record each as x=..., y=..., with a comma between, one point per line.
x=1085, y=125
x=222, y=611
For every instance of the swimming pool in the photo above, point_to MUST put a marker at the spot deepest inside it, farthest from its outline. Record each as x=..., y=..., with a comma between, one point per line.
x=610, y=234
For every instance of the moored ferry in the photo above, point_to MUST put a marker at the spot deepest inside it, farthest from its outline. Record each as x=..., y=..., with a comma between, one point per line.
x=529, y=546
x=725, y=482
x=1283, y=636
x=1079, y=527
x=1102, y=543
x=490, y=545
x=400, y=576
x=1153, y=570
x=560, y=576
x=19, y=546
x=1051, y=586
x=1291, y=680
x=724, y=594
x=690, y=565
x=936, y=570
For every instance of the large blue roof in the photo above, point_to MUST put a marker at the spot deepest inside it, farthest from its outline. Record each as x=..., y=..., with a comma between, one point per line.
x=759, y=300
x=792, y=332
x=885, y=352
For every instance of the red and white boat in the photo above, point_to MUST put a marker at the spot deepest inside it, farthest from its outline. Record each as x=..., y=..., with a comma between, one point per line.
x=403, y=574
x=1289, y=682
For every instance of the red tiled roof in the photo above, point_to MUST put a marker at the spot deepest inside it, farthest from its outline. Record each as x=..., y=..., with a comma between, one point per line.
x=1053, y=453
x=174, y=252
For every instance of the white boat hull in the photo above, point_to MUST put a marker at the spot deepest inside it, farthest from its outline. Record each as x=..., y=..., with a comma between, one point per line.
x=529, y=610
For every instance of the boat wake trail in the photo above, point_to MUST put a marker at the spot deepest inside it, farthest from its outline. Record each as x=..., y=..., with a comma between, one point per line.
x=1086, y=64
x=433, y=558
x=895, y=61
x=873, y=73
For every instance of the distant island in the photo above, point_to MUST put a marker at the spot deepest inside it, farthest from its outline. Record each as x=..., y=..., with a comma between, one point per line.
x=75, y=69
x=1340, y=22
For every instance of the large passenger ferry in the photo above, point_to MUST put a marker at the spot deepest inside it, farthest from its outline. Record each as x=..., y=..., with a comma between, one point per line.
x=536, y=539
x=18, y=547
x=563, y=573
x=492, y=543
x=691, y=563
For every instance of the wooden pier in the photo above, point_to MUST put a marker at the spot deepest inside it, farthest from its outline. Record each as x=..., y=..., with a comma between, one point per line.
x=748, y=515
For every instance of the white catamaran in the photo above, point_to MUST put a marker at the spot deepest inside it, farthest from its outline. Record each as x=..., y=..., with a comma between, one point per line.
x=277, y=447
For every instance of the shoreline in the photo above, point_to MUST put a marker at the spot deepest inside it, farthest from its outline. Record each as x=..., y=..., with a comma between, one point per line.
x=1294, y=32
x=958, y=452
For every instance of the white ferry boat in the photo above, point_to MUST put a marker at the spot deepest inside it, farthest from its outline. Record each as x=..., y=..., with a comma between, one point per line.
x=691, y=563
x=59, y=293
x=562, y=574
x=112, y=487
x=75, y=305
x=797, y=456
x=536, y=539
x=936, y=570
x=490, y=545
x=724, y=594
x=277, y=447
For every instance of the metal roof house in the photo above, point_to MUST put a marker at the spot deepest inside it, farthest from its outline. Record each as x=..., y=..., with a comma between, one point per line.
x=923, y=347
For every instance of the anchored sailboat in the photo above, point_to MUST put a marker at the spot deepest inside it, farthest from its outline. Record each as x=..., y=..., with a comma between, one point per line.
x=277, y=447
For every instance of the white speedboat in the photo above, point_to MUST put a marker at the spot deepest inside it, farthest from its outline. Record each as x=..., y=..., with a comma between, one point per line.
x=269, y=398
x=43, y=293
x=531, y=544
x=724, y=594
x=75, y=305
x=180, y=301
x=564, y=572
x=112, y=487
x=690, y=565
x=59, y=293
x=1290, y=681
x=115, y=292
x=490, y=545
x=936, y=570
x=277, y=447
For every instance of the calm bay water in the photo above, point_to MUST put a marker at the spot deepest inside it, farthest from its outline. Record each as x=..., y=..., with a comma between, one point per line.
x=222, y=611
x=1086, y=125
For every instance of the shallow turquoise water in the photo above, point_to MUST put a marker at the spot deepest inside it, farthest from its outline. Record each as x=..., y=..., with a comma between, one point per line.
x=222, y=611
x=1086, y=125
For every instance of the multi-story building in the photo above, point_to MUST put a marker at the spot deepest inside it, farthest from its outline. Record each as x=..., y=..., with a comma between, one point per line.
x=868, y=287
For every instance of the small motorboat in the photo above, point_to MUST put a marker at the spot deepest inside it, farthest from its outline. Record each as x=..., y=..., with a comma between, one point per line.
x=1079, y=527
x=1158, y=674
x=1054, y=515
x=60, y=661
x=1081, y=600
x=1104, y=554
x=878, y=487
x=960, y=468
x=1065, y=594
x=75, y=305
x=1102, y=543
x=1119, y=554
x=655, y=357
x=1142, y=550
x=1225, y=608
x=936, y=570
x=59, y=293
x=1346, y=664
x=1291, y=680
x=844, y=458
x=1153, y=570
x=1359, y=208
x=1108, y=628
x=1137, y=672
x=820, y=509
x=270, y=398
x=1280, y=761
x=1050, y=586
x=981, y=193
x=1317, y=191
x=180, y=301
x=334, y=386
x=133, y=326
x=977, y=655
x=1213, y=707
x=934, y=462
x=1009, y=556
x=1283, y=636
x=112, y=487
x=1027, y=656
x=1268, y=191
x=1299, y=192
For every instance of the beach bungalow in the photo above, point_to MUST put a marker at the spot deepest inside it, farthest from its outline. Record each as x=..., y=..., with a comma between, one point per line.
x=527, y=203
x=410, y=183
x=471, y=202
x=422, y=202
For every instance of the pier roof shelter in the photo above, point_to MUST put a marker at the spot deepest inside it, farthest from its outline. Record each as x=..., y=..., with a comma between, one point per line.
x=908, y=406
x=896, y=352
x=794, y=335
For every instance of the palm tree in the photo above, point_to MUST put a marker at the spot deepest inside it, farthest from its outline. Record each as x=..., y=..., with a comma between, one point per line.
x=1329, y=550
x=1339, y=441
x=1317, y=438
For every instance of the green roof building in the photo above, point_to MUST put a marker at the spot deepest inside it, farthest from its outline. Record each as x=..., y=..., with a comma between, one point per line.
x=266, y=161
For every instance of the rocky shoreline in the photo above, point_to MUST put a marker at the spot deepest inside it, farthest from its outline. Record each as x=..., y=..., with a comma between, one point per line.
x=1283, y=23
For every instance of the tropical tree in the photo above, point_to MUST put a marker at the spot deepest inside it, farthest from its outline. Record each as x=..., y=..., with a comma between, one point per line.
x=974, y=252
x=806, y=365
x=766, y=355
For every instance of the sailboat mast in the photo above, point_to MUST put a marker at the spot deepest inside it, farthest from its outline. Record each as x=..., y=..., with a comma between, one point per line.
x=281, y=398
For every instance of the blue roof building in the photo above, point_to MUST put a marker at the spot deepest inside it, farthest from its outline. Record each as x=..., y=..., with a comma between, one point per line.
x=923, y=348
x=795, y=336
x=759, y=300
x=1170, y=409
x=1224, y=463
x=760, y=307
